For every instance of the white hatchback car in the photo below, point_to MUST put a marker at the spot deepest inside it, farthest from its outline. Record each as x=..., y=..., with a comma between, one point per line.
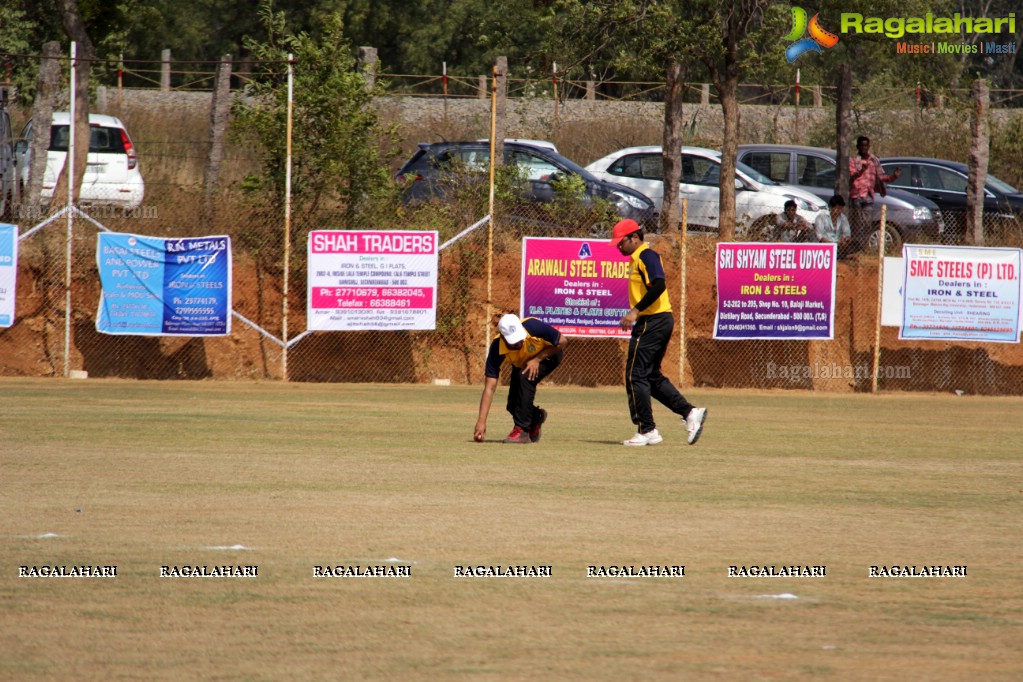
x=112, y=175
x=758, y=199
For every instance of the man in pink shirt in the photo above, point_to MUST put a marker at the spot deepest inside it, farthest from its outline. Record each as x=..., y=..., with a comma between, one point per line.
x=866, y=177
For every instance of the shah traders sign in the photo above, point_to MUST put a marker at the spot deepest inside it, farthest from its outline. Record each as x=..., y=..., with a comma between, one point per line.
x=151, y=286
x=365, y=279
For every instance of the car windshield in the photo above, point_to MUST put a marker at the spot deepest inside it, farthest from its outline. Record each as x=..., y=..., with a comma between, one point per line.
x=754, y=173
x=1001, y=185
x=102, y=140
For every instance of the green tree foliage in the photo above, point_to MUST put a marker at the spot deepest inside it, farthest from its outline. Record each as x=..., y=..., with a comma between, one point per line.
x=416, y=37
x=25, y=26
x=337, y=163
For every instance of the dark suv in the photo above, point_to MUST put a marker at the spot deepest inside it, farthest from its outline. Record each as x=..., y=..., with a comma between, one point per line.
x=909, y=217
x=432, y=171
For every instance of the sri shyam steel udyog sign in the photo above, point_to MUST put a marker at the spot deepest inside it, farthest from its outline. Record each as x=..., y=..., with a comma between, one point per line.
x=8, y=272
x=578, y=286
x=775, y=291
x=371, y=280
x=153, y=286
x=956, y=292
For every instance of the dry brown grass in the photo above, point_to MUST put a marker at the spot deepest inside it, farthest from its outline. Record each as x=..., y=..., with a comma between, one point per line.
x=307, y=475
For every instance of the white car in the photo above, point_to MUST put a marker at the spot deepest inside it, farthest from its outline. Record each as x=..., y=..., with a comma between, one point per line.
x=112, y=175
x=758, y=199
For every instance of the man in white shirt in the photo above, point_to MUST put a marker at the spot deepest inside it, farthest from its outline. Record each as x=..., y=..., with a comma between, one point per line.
x=792, y=227
x=833, y=227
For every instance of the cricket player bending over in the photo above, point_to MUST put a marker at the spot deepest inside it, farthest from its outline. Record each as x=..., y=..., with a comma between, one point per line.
x=534, y=349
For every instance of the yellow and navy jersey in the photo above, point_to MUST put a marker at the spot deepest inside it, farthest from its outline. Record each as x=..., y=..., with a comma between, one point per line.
x=539, y=335
x=644, y=268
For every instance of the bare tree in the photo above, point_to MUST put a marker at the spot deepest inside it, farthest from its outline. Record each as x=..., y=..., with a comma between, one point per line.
x=977, y=163
x=220, y=109
x=736, y=19
x=672, y=159
x=843, y=129
x=42, y=113
x=85, y=53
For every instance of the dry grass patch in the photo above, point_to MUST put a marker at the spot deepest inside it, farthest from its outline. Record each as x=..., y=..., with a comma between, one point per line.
x=311, y=475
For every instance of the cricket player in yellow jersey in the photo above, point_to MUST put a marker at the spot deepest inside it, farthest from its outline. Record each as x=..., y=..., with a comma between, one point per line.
x=534, y=349
x=652, y=324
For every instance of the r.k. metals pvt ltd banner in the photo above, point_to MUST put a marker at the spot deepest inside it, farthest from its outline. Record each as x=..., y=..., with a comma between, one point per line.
x=151, y=286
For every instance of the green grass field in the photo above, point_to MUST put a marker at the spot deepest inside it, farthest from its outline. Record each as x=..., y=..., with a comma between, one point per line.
x=289, y=477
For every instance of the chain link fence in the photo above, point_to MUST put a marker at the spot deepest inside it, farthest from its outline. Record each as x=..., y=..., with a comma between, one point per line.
x=479, y=279
x=453, y=352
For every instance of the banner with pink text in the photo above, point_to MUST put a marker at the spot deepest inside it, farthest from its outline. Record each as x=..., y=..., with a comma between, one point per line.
x=579, y=286
x=775, y=291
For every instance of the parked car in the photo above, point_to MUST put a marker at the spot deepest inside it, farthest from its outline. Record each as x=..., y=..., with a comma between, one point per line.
x=8, y=173
x=112, y=175
x=429, y=172
x=944, y=183
x=909, y=217
x=758, y=199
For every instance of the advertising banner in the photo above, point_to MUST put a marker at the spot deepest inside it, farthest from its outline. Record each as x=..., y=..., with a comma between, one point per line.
x=775, y=291
x=578, y=286
x=956, y=292
x=8, y=272
x=151, y=286
x=368, y=279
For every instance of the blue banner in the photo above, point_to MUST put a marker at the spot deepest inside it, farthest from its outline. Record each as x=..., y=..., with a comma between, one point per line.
x=8, y=272
x=164, y=287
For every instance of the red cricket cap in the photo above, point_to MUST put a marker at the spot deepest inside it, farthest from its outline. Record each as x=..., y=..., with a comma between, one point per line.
x=623, y=228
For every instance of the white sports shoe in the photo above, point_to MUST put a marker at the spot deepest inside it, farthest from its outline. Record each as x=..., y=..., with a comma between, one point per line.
x=694, y=423
x=650, y=438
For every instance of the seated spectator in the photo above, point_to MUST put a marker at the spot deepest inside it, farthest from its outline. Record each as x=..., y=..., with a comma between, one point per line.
x=833, y=227
x=792, y=227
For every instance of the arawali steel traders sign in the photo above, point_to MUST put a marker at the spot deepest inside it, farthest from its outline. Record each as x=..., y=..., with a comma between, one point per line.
x=578, y=286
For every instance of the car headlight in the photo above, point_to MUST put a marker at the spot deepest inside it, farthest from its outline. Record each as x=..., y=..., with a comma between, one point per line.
x=629, y=200
x=921, y=213
x=803, y=204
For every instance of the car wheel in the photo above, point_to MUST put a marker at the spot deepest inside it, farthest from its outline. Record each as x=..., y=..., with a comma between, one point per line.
x=892, y=240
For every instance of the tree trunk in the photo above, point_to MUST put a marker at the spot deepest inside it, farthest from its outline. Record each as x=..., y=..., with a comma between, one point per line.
x=501, y=104
x=220, y=108
x=977, y=163
x=843, y=130
x=671, y=151
x=42, y=114
x=727, y=88
x=74, y=27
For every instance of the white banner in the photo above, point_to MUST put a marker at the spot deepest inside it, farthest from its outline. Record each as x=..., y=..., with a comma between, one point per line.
x=956, y=292
x=371, y=280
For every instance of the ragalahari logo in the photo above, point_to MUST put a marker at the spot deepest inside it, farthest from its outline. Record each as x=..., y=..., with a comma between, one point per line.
x=819, y=37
